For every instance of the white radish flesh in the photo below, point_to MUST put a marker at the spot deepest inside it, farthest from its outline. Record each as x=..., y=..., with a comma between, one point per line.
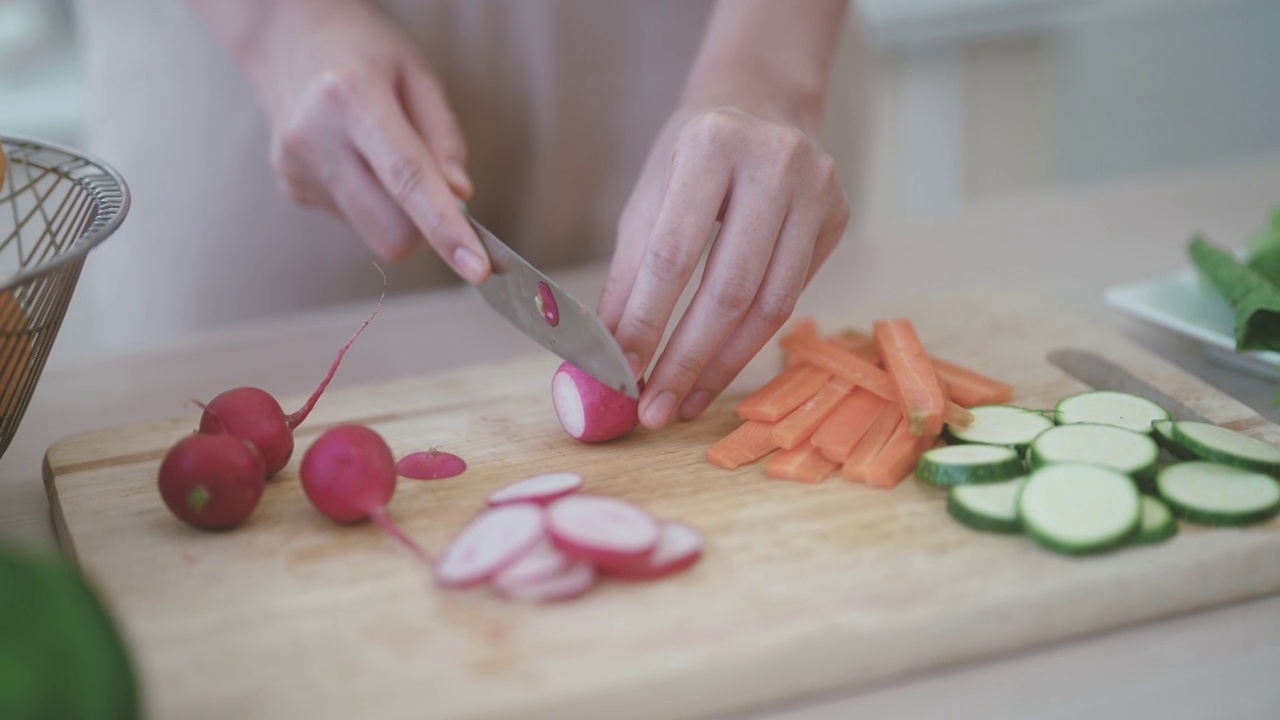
x=589, y=410
x=601, y=530
x=488, y=544
x=566, y=585
x=540, y=488
x=542, y=561
x=679, y=547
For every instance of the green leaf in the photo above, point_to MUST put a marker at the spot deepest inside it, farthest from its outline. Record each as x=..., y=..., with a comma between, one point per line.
x=1264, y=250
x=1254, y=301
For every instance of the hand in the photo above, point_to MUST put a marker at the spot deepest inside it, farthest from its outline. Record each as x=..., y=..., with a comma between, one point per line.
x=361, y=127
x=781, y=210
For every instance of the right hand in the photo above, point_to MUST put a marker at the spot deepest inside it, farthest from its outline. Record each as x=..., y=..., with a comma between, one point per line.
x=360, y=126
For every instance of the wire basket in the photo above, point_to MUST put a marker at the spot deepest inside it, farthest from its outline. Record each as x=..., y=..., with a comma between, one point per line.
x=56, y=204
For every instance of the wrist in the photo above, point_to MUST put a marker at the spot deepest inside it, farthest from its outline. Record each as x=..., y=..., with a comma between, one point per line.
x=791, y=102
x=250, y=29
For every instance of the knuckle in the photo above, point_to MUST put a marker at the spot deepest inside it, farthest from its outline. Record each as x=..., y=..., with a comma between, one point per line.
x=404, y=179
x=669, y=260
x=776, y=307
x=706, y=130
x=732, y=297
x=828, y=173
x=687, y=366
x=334, y=88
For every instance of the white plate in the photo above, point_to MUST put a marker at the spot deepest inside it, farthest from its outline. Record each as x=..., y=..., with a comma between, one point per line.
x=1177, y=302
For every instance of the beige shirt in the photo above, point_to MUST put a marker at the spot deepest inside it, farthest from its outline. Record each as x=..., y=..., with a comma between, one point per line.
x=559, y=100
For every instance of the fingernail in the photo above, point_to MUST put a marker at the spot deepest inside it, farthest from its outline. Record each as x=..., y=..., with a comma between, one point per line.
x=634, y=361
x=693, y=405
x=469, y=265
x=659, y=410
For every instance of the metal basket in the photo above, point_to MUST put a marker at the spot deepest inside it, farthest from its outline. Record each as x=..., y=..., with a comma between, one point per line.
x=56, y=204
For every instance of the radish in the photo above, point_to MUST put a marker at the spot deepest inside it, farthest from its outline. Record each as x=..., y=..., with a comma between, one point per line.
x=541, y=489
x=253, y=414
x=540, y=562
x=431, y=464
x=546, y=303
x=493, y=540
x=589, y=410
x=573, y=582
x=679, y=547
x=349, y=475
x=213, y=480
x=602, y=530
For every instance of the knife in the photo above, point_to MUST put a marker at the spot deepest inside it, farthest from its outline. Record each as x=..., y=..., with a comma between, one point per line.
x=520, y=293
x=1102, y=374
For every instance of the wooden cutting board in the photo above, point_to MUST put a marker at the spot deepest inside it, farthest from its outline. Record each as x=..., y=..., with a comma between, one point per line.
x=803, y=587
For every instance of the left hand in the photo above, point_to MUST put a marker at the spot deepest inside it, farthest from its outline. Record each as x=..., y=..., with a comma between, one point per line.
x=782, y=211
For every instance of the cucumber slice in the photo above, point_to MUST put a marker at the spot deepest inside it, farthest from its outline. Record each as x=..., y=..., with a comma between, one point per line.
x=1126, y=451
x=1004, y=425
x=1162, y=432
x=1079, y=509
x=992, y=507
x=960, y=464
x=1157, y=523
x=1219, y=444
x=1211, y=493
x=1108, y=407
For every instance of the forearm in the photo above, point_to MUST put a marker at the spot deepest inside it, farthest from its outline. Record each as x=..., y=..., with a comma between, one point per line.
x=246, y=27
x=775, y=56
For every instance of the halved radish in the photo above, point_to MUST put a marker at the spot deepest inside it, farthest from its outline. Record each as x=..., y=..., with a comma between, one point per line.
x=489, y=543
x=602, y=530
x=540, y=488
x=679, y=547
x=566, y=585
x=542, y=561
x=589, y=410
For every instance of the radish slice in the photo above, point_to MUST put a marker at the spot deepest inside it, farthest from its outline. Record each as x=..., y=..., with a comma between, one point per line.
x=430, y=465
x=679, y=547
x=541, y=562
x=566, y=585
x=540, y=488
x=600, y=529
x=489, y=543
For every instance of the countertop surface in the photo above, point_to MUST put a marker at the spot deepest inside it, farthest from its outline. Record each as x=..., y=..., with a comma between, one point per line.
x=1068, y=247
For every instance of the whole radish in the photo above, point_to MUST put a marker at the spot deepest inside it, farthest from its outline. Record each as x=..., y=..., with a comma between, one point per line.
x=253, y=414
x=349, y=475
x=212, y=480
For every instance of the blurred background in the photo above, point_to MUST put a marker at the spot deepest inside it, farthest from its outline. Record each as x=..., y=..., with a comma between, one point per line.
x=976, y=100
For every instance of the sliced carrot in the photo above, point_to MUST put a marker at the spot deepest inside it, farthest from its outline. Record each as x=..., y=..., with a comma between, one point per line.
x=749, y=442
x=823, y=355
x=970, y=388
x=786, y=392
x=805, y=326
x=801, y=423
x=864, y=452
x=846, y=425
x=899, y=456
x=803, y=463
x=914, y=381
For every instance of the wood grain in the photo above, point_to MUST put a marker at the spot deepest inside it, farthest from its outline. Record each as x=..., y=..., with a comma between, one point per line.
x=803, y=588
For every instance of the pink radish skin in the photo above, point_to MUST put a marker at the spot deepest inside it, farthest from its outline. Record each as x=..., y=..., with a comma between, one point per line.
x=546, y=302
x=212, y=481
x=570, y=583
x=253, y=414
x=430, y=465
x=349, y=475
x=601, y=530
x=542, y=489
x=492, y=541
x=542, y=561
x=679, y=547
x=589, y=410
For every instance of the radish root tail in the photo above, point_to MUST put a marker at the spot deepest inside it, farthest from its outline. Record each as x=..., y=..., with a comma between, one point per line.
x=382, y=520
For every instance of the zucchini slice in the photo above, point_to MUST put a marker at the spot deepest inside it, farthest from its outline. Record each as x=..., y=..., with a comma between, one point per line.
x=1078, y=509
x=962, y=464
x=1004, y=425
x=1108, y=407
x=992, y=507
x=1222, y=445
x=1162, y=432
x=1126, y=451
x=1157, y=523
x=1210, y=493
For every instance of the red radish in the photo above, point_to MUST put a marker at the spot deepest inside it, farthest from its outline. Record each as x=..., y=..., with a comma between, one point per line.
x=540, y=562
x=679, y=547
x=566, y=585
x=602, y=530
x=431, y=464
x=212, y=481
x=494, y=539
x=546, y=303
x=253, y=414
x=540, y=489
x=349, y=475
x=589, y=410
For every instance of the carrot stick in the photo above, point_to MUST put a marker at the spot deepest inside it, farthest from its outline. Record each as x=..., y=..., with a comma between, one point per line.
x=969, y=386
x=805, y=326
x=862, y=373
x=786, y=392
x=911, y=373
x=803, y=463
x=801, y=423
x=899, y=456
x=749, y=442
x=864, y=453
x=846, y=425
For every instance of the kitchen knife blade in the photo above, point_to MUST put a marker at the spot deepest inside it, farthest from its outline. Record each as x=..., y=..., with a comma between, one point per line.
x=579, y=336
x=1100, y=373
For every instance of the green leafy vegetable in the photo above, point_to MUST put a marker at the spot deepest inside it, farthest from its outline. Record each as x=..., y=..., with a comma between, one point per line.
x=1254, y=301
x=1264, y=250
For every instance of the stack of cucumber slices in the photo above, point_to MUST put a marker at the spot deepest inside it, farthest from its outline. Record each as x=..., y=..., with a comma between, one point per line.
x=1100, y=471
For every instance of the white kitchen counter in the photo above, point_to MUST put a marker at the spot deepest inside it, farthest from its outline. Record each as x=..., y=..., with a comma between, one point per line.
x=1067, y=246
